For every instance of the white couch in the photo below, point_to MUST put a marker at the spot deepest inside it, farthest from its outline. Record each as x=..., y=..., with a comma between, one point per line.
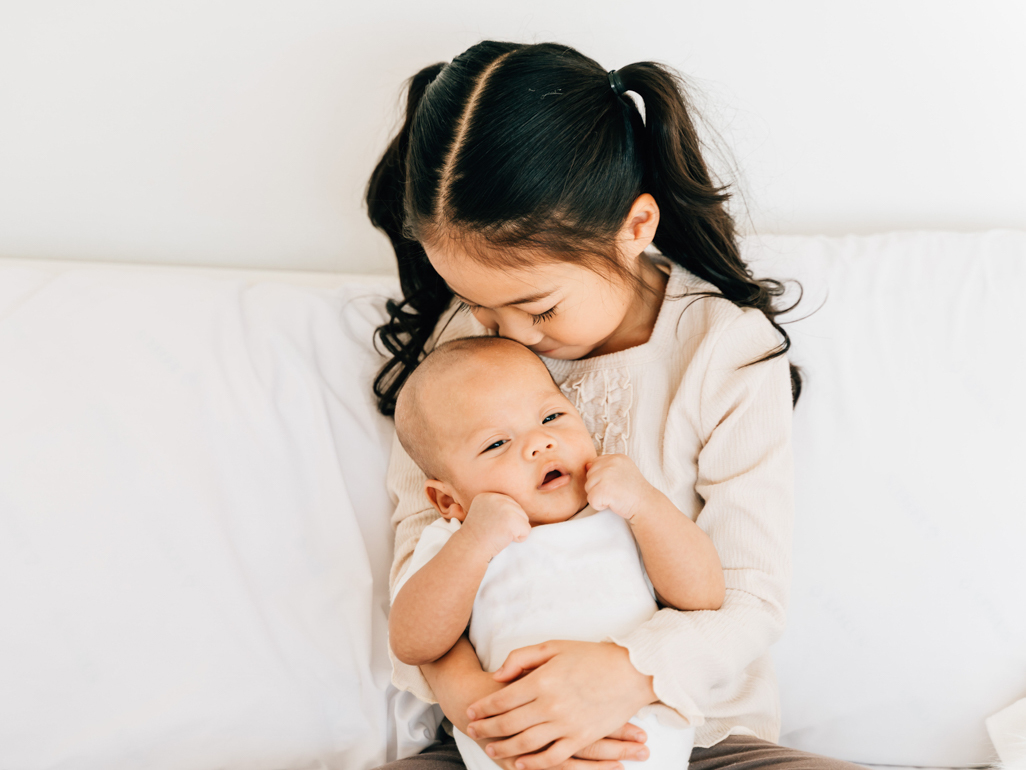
x=194, y=534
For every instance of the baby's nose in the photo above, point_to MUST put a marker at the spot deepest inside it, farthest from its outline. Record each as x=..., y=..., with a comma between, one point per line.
x=542, y=446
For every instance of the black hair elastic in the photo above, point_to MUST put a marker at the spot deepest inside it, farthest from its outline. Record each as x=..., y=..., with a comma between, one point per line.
x=616, y=83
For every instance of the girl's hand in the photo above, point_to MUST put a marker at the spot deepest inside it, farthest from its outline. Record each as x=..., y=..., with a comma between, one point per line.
x=624, y=743
x=458, y=681
x=556, y=696
x=614, y=482
x=486, y=685
x=627, y=743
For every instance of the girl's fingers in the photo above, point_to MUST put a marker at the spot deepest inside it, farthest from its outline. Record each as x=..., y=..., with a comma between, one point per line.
x=553, y=756
x=529, y=740
x=524, y=659
x=499, y=702
x=507, y=724
x=586, y=764
x=629, y=732
x=613, y=750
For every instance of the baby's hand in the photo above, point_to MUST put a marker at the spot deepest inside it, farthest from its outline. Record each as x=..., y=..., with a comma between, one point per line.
x=494, y=521
x=614, y=482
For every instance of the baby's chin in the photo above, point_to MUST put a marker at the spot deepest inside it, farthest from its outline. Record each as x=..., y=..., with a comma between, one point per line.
x=558, y=513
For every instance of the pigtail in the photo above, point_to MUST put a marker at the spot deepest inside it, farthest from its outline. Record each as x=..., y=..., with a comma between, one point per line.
x=411, y=321
x=695, y=228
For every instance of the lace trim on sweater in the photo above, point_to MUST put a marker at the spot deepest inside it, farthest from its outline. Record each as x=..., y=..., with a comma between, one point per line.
x=604, y=400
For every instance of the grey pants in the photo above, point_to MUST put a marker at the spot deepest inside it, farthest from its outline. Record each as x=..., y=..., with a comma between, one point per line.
x=736, y=752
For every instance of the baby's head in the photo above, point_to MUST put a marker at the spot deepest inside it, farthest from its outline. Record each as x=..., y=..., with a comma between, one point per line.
x=482, y=414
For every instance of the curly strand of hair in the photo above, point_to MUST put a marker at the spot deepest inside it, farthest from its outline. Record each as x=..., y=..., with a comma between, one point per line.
x=411, y=321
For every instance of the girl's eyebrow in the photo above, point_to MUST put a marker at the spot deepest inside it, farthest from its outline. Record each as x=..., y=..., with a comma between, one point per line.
x=537, y=296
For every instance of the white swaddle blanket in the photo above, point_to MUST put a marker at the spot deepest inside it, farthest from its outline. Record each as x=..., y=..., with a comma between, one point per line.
x=580, y=579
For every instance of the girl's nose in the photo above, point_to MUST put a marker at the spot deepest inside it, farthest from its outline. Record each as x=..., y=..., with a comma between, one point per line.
x=522, y=331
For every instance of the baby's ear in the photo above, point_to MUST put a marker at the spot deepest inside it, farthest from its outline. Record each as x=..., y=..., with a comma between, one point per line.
x=440, y=495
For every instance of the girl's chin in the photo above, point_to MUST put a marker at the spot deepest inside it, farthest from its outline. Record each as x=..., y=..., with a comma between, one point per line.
x=563, y=352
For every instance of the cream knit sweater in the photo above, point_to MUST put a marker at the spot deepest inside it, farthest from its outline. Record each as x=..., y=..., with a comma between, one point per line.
x=715, y=436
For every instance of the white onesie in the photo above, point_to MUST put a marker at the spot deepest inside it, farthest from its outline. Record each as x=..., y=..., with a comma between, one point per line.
x=580, y=579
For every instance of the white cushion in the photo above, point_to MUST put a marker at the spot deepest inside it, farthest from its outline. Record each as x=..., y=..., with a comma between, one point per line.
x=195, y=536
x=906, y=628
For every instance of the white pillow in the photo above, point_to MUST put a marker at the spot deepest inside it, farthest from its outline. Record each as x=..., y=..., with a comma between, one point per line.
x=907, y=622
x=195, y=536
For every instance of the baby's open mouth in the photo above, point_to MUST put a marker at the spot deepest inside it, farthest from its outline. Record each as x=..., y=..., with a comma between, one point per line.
x=554, y=478
x=550, y=476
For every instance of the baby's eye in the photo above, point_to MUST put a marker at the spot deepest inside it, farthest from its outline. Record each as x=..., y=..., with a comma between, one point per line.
x=552, y=417
x=496, y=445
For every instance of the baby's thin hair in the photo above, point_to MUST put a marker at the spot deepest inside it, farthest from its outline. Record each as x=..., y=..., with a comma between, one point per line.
x=524, y=153
x=411, y=424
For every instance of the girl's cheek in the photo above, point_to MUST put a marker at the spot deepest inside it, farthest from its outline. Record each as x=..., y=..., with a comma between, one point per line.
x=557, y=331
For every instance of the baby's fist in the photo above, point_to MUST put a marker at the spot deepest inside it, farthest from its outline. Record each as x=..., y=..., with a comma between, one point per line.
x=614, y=482
x=495, y=520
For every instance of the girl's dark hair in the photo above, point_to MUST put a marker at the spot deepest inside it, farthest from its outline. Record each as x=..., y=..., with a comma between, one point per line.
x=512, y=146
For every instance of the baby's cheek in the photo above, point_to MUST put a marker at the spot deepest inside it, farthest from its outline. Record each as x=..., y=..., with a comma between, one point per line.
x=588, y=452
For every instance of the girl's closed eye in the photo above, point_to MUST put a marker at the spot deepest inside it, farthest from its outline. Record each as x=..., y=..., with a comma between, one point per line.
x=541, y=317
x=536, y=318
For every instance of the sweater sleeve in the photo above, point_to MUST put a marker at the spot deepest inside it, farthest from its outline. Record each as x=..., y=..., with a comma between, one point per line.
x=701, y=661
x=413, y=514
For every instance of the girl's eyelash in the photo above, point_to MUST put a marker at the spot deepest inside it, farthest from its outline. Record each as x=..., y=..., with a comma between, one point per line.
x=544, y=316
x=535, y=318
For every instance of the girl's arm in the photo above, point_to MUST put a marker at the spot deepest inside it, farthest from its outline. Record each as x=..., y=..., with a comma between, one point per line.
x=679, y=557
x=704, y=665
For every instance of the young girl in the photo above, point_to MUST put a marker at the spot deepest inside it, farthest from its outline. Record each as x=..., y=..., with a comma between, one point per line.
x=520, y=196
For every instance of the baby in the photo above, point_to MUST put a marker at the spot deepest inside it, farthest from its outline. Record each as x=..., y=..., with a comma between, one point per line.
x=539, y=537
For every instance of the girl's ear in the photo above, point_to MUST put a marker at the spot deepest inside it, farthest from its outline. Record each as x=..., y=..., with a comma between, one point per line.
x=639, y=228
x=440, y=495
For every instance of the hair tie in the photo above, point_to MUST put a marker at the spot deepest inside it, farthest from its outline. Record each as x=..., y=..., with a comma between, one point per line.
x=616, y=83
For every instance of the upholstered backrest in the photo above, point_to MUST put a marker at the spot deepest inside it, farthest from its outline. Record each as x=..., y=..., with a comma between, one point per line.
x=906, y=627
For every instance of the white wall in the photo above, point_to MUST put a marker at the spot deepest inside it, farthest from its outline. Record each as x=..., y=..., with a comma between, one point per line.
x=241, y=132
